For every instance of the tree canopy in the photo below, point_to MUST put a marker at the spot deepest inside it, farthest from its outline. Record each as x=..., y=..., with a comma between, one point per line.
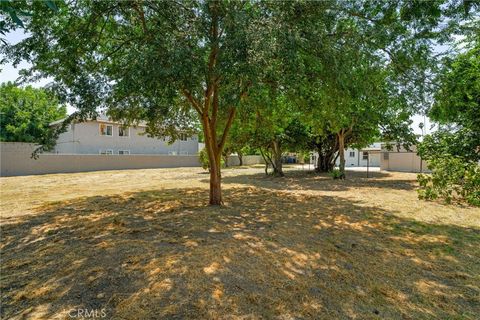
x=457, y=108
x=453, y=151
x=343, y=65
x=457, y=100
x=25, y=114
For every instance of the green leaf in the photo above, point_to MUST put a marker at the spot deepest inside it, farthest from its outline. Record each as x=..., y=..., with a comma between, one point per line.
x=15, y=18
x=51, y=4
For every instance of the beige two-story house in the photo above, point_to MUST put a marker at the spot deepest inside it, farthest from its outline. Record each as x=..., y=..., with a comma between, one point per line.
x=103, y=136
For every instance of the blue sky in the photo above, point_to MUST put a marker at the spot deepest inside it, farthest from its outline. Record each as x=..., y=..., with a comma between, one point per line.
x=9, y=73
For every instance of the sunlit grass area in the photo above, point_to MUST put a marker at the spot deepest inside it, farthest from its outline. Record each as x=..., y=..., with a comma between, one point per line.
x=142, y=244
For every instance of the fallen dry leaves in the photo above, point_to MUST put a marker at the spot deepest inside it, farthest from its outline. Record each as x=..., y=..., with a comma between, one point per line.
x=143, y=245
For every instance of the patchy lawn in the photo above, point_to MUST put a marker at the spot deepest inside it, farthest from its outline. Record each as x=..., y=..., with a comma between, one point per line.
x=141, y=244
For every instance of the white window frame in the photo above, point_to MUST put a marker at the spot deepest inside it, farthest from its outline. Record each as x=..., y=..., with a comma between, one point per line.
x=183, y=135
x=365, y=155
x=125, y=152
x=100, y=129
x=352, y=154
x=124, y=127
x=106, y=152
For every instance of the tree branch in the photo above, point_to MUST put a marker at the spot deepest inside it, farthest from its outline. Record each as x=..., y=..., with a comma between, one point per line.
x=192, y=100
x=212, y=60
x=231, y=116
x=215, y=105
x=141, y=13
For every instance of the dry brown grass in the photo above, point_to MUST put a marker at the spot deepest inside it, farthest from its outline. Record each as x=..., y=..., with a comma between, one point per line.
x=143, y=245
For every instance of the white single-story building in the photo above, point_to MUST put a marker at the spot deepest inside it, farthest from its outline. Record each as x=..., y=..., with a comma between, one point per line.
x=368, y=156
x=402, y=160
x=363, y=157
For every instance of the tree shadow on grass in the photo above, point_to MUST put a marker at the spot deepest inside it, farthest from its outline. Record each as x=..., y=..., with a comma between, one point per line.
x=165, y=255
x=308, y=180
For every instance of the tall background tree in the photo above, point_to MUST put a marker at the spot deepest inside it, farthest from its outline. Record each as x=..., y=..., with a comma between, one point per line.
x=275, y=127
x=25, y=114
x=453, y=152
x=238, y=139
x=370, y=60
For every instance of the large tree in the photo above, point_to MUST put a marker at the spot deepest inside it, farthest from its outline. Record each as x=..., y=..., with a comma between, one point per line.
x=453, y=152
x=350, y=107
x=159, y=61
x=275, y=127
x=457, y=100
x=238, y=139
x=457, y=107
x=370, y=68
x=26, y=114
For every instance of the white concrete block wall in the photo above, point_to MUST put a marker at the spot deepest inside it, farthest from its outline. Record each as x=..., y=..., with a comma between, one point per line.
x=247, y=160
x=15, y=159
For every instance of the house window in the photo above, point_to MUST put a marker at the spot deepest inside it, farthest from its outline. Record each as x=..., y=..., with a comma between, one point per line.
x=106, y=129
x=385, y=156
x=123, y=151
x=365, y=155
x=352, y=154
x=123, y=131
x=106, y=151
x=183, y=137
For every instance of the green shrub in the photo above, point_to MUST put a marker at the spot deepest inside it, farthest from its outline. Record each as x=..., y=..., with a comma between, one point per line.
x=471, y=185
x=453, y=158
x=306, y=158
x=452, y=179
x=203, y=157
x=205, y=162
x=335, y=174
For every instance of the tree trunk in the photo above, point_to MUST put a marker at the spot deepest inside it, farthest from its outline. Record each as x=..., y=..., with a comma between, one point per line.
x=325, y=161
x=215, y=184
x=215, y=179
x=214, y=157
x=208, y=110
x=326, y=147
x=266, y=159
x=225, y=160
x=341, y=152
x=240, y=158
x=319, y=167
x=277, y=159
